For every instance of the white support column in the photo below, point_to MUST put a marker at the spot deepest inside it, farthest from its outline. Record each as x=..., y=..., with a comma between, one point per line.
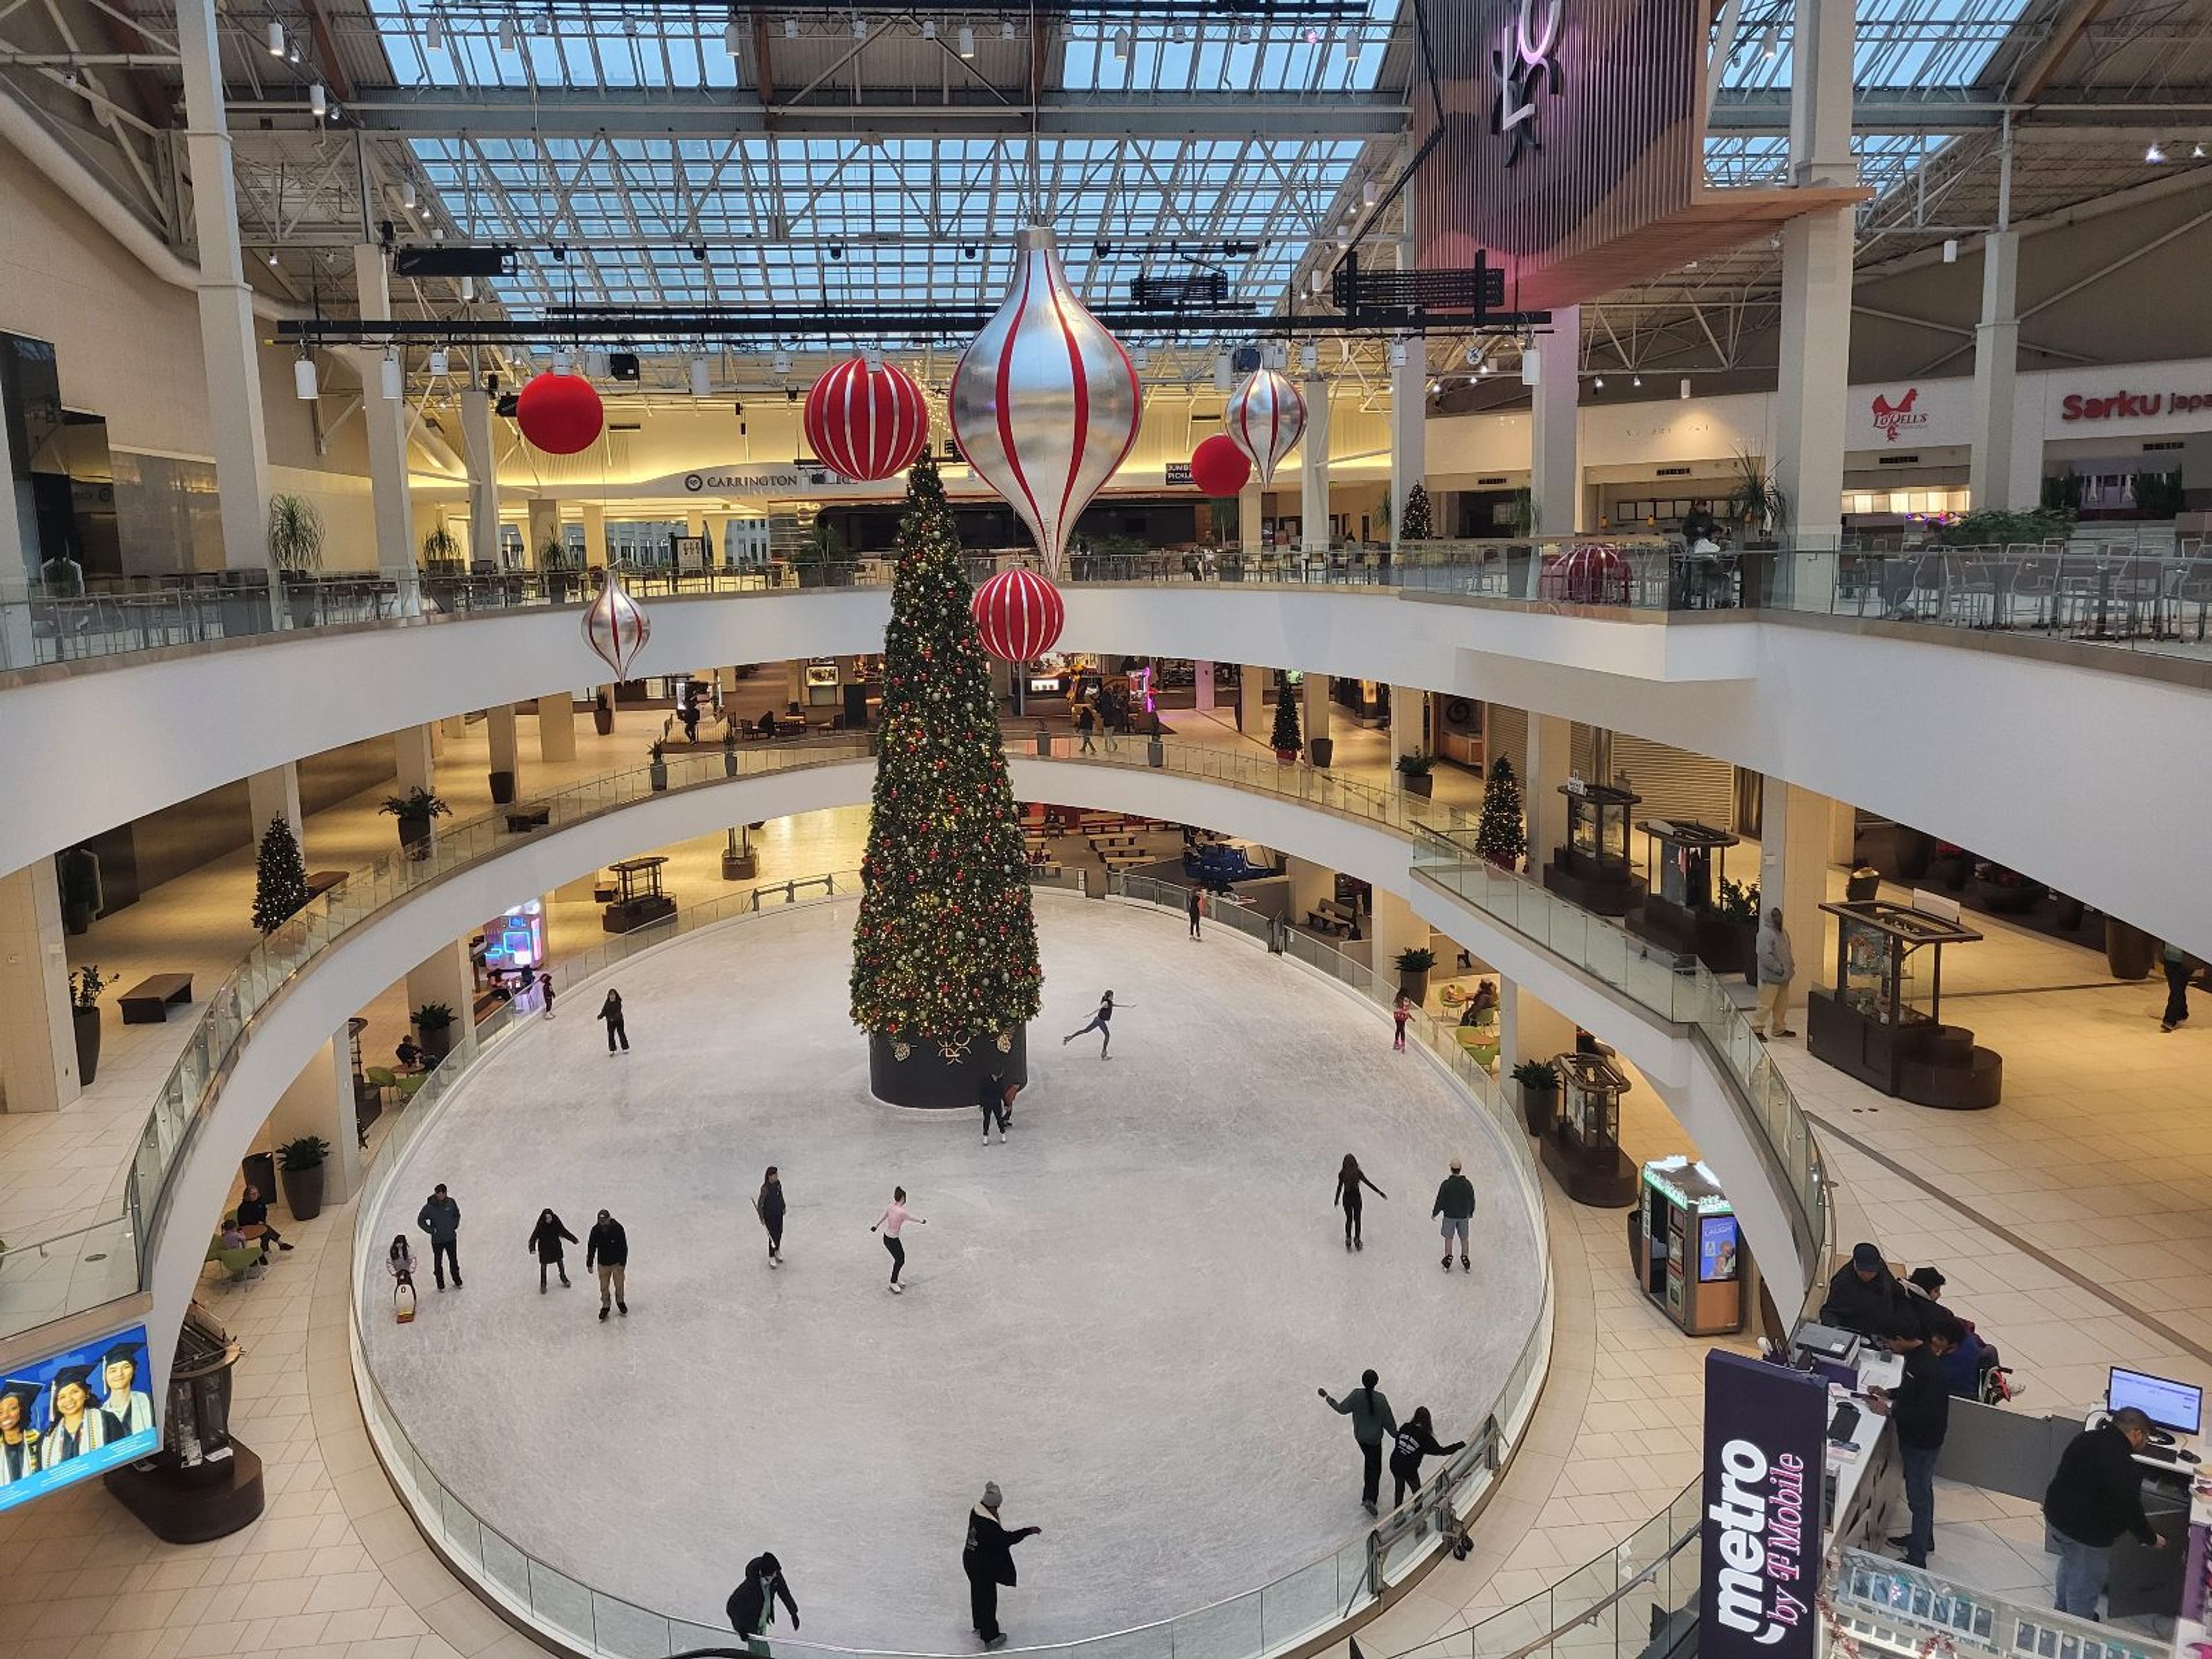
x=1793, y=875
x=504, y=745
x=321, y=1101
x=1811, y=393
x=1409, y=723
x=1989, y=480
x=417, y=766
x=1202, y=687
x=1310, y=884
x=274, y=793
x=1529, y=1028
x=1551, y=741
x=483, y=463
x=1313, y=469
x=229, y=348
x=1396, y=929
x=387, y=421
x=595, y=535
x=442, y=977
x=1317, y=709
x=545, y=526
x=556, y=727
x=1251, y=509
x=38, y=1044
x=1251, y=700
x=19, y=563
x=794, y=681
x=1555, y=480
x=1409, y=400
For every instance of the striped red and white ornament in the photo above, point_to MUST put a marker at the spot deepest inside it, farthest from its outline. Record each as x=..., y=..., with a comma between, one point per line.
x=1266, y=418
x=615, y=626
x=1044, y=401
x=1019, y=615
x=868, y=423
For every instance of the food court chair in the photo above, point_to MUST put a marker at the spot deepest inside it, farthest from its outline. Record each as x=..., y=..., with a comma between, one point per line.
x=239, y=1264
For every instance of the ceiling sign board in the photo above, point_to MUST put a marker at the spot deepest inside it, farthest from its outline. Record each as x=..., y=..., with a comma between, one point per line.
x=1572, y=150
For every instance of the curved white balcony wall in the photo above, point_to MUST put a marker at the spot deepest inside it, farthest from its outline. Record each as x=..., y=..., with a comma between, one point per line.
x=2083, y=777
x=380, y=949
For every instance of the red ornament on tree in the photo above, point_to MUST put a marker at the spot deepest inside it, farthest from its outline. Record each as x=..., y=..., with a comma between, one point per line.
x=866, y=423
x=1218, y=467
x=560, y=413
x=1019, y=615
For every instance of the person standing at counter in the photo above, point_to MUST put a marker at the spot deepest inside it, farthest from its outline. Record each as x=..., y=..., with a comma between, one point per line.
x=2095, y=1496
x=1865, y=1296
x=1919, y=1408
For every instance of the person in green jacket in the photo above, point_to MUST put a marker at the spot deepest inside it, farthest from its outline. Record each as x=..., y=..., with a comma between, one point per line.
x=1371, y=1425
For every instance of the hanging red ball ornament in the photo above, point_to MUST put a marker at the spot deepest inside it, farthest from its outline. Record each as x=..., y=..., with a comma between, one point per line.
x=868, y=423
x=560, y=413
x=1218, y=468
x=1019, y=615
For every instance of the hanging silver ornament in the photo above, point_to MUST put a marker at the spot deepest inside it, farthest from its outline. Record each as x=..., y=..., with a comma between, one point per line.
x=1045, y=403
x=615, y=626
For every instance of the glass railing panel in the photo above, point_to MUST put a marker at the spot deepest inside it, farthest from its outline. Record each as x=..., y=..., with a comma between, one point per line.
x=1292, y=1607
x=558, y=1600
x=463, y=1536
x=1229, y=1630
x=627, y=1631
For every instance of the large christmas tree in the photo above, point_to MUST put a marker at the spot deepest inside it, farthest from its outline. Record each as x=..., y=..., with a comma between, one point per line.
x=1497, y=831
x=1414, y=526
x=280, y=878
x=1285, y=738
x=945, y=953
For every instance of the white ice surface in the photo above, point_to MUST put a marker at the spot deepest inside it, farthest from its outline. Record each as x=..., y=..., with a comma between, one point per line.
x=1122, y=1315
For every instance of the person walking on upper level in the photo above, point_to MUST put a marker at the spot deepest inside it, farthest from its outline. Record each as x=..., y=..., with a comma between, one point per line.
x=607, y=1250
x=892, y=1221
x=440, y=1218
x=1368, y=1409
x=1777, y=967
x=1456, y=1203
x=1350, y=1178
x=545, y=989
x=612, y=1011
x=545, y=1243
x=2176, y=965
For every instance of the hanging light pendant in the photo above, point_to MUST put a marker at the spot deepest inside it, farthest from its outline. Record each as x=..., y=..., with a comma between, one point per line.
x=1044, y=401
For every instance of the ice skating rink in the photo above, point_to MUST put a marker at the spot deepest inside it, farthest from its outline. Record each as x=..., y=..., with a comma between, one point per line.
x=1121, y=1315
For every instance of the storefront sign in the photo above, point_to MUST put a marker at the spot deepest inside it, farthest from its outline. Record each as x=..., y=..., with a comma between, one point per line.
x=752, y=479
x=2131, y=405
x=1178, y=473
x=1766, y=1427
x=1525, y=65
x=1892, y=418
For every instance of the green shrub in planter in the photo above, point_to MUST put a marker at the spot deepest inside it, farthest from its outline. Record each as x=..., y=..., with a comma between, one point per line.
x=433, y=1028
x=299, y=1167
x=85, y=985
x=1413, y=968
x=415, y=810
x=1540, y=1095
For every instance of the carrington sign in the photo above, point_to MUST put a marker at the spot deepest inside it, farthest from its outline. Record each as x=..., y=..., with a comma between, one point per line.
x=1765, y=1432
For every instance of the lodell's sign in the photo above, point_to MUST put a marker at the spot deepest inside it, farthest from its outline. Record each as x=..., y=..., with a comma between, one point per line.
x=1765, y=1431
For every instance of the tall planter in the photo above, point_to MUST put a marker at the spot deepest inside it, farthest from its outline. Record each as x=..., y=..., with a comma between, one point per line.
x=603, y=719
x=414, y=837
x=1540, y=1107
x=2128, y=951
x=84, y=1022
x=1321, y=751
x=1914, y=849
x=1418, y=783
x=303, y=1192
x=915, y=1072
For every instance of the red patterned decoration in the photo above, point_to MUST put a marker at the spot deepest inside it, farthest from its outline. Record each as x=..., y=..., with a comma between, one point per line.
x=1218, y=467
x=615, y=626
x=1590, y=573
x=560, y=413
x=1019, y=615
x=866, y=423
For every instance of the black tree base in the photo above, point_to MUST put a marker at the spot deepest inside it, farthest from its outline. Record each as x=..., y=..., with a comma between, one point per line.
x=927, y=1081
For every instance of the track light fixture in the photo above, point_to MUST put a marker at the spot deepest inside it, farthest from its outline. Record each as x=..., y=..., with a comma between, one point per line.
x=393, y=377
x=790, y=28
x=699, y=386
x=318, y=100
x=433, y=32
x=1007, y=28
x=510, y=34
x=1532, y=365
x=2154, y=155
x=438, y=360
x=966, y=38
x=929, y=28
x=699, y=251
x=733, y=39
x=303, y=376
x=1770, y=44
x=859, y=27
x=275, y=38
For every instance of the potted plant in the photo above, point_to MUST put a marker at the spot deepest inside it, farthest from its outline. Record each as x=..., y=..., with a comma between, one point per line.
x=85, y=985
x=553, y=564
x=1413, y=968
x=1539, y=1086
x=1414, y=771
x=1861, y=883
x=415, y=810
x=441, y=551
x=1735, y=942
x=2128, y=951
x=78, y=872
x=730, y=751
x=434, y=1029
x=1286, y=737
x=2006, y=892
x=1950, y=865
x=656, y=763
x=299, y=1167
x=295, y=550
x=739, y=861
x=1757, y=504
x=603, y=714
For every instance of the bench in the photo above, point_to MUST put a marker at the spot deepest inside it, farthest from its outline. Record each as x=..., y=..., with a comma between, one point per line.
x=321, y=882
x=147, y=1003
x=535, y=816
x=1329, y=917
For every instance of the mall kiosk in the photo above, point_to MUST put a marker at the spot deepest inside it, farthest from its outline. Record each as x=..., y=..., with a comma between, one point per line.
x=1686, y=864
x=1592, y=869
x=1882, y=1024
x=1685, y=1249
x=1582, y=1148
x=639, y=901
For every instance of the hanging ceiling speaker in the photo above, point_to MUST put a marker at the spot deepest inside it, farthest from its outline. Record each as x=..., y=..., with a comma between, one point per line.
x=622, y=366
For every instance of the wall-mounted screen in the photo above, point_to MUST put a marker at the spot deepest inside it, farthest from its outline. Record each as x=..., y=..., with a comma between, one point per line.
x=74, y=1415
x=1717, y=1248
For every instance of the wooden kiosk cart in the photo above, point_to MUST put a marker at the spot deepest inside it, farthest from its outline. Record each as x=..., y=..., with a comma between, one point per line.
x=1582, y=1148
x=1592, y=869
x=1681, y=910
x=1685, y=1247
x=1882, y=1024
x=639, y=902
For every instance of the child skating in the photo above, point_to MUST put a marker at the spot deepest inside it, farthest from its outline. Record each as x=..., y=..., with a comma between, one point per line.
x=894, y=1218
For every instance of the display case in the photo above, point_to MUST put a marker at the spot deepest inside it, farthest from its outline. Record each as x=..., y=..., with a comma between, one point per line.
x=1685, y=1249
x=1685, y=906
x=1591, y=869
x=1582, y=1148
x=1882, y=1021
x=639, y=901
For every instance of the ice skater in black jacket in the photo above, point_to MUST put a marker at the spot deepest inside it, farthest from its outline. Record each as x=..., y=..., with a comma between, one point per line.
x=1415, y=1441
x=752, y=1604
x=987, y=1557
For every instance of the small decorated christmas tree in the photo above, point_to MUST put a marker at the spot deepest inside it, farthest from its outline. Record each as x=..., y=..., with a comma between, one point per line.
x=945, y=954
x=280, y=878
x=1497, y=832
x=1413, y=524
x=1286, y=739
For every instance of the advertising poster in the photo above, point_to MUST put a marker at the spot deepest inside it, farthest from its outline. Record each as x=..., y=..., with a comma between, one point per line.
x=74, y=1415
x=1765, y=1426
x=1717, y=1248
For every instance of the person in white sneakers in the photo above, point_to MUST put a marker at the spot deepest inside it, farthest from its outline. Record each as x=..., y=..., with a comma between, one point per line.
x=894, y=1218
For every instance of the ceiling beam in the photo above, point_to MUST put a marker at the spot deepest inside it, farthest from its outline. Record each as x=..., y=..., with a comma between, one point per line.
x=548, y=113
x=2078, y=112
x=2033, y=79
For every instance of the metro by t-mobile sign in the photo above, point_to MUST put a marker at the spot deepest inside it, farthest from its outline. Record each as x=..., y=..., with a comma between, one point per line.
x=1766, y=1430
